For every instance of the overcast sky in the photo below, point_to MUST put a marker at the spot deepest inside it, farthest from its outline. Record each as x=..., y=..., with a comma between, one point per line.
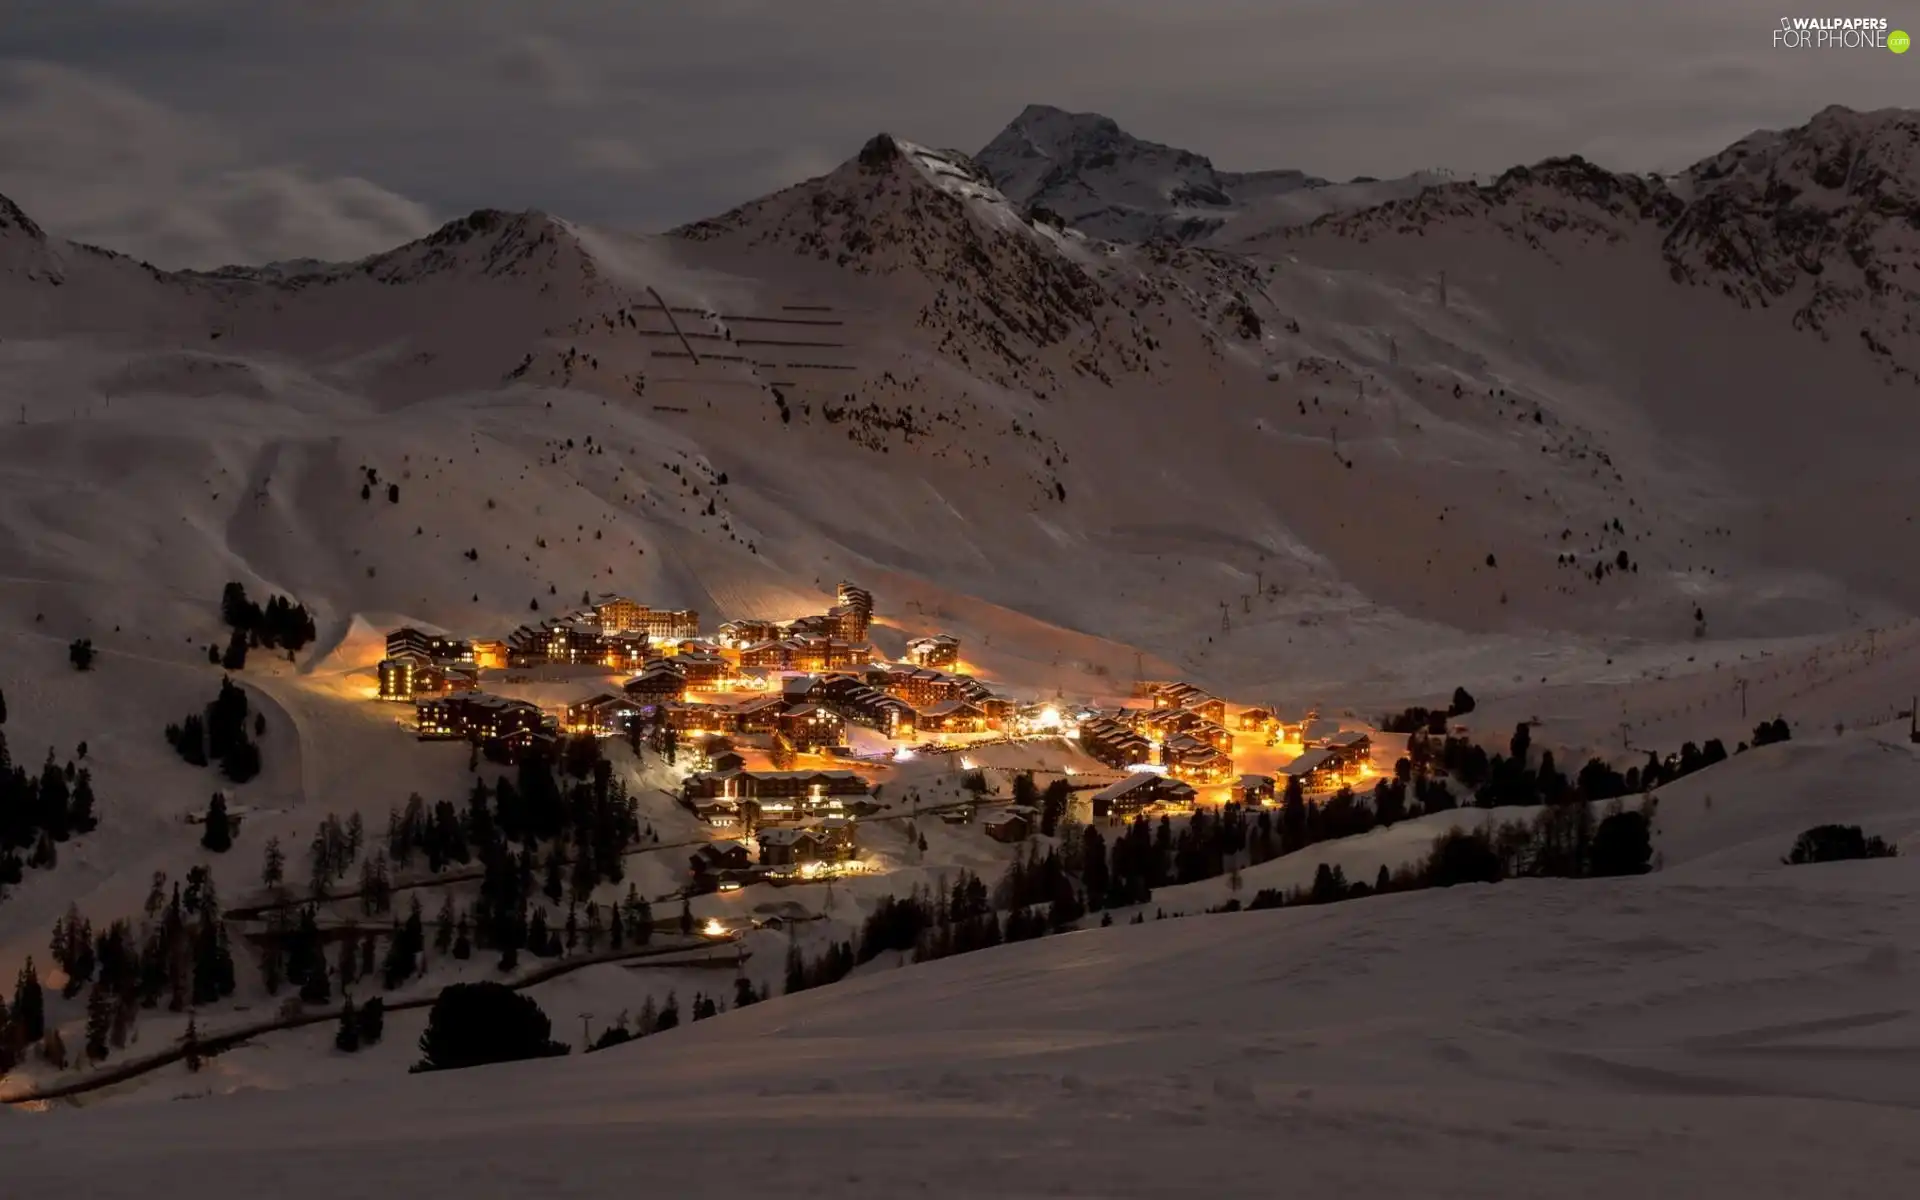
x=198, y=132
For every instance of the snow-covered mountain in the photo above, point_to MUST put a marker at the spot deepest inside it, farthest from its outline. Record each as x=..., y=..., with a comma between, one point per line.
x=1550, y=437
x=1100, y=179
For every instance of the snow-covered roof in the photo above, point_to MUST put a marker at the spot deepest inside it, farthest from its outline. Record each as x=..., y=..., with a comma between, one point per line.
x=1307, y=763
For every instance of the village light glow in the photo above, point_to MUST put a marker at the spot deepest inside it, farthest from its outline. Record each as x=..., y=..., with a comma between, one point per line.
x=714, y=928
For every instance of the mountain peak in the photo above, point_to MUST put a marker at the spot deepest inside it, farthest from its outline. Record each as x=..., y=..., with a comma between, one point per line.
x=1113, y=185
x=14, y=221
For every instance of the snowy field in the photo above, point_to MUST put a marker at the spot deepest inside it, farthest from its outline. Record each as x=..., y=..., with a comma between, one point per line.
x=1735, y=1034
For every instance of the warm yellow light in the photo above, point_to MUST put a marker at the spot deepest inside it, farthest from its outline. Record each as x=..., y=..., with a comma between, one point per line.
x=714, y=928
x=1049, y=718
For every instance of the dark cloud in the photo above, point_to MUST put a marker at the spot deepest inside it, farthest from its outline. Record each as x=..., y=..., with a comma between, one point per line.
x=649, y=114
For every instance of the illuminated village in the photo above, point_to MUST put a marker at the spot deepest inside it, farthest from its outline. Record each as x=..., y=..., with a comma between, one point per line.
x=785, y=732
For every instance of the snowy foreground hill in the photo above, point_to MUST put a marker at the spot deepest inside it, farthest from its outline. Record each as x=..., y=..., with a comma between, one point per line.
x=1744, y=1034
x=1630, y=458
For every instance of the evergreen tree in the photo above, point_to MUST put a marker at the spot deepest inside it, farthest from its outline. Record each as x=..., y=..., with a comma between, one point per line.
x=317, y=988
x=686, y=917
x=101, y=1006
x=235, y=656
x=346, y=1038
x=274, y=872
x=472, y=1024
x=373, y=1021
x=193, y=1045
x=669, y=1016
x=80, y=654
x=81, y=818
x=29, y=1003
x=217, y=837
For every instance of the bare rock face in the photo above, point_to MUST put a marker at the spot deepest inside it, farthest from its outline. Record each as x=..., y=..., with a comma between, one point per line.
x=1102, y=180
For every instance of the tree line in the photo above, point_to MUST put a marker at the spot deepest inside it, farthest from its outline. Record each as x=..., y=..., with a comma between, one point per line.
x=220, y=734
x=39, y=812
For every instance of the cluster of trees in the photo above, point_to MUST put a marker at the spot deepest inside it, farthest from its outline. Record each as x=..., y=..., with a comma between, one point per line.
x=1429, y=720
x=362, y=1026
x=281, y=625
x=39, y=812
x=1562, y=842
x=80, y=654
x=220, y=734
x=666, y=1016
x=1052, y=803
x=177, y=952
x=1517, y=778
x=1837, y=843
x=297, y=954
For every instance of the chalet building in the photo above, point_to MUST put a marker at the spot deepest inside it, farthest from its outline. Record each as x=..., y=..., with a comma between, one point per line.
x=1010, y=825
x=774, y=655
x=998, y=710
x=603, y=715
x=1114, y=744
x=939, y=652
x=721, y=814
x=830, y=839
x=1213, y=735
x=858, y=704
x=824, y=653
x=809, y=727
x=1254, y=791
x=617, y=614
x=1311, y=768
x=715, y=857
x=952, y=716
x=479, y=717
x=760, y=714
x=435, y=648
x=1256, y=720
x=1177, y=695
x=670, y=624
x=491, y=655
x=923, y=687
x=697, y=719
x=858, y=602
x=1164, y=723
x=1139, y=792
x=1331, y=764
x=775, y=785
x=408, y=676
x=663, y=685
x=1349, y=750
x=1188, y=758
x=729, y=760
x=738, y=635
x=705, y=671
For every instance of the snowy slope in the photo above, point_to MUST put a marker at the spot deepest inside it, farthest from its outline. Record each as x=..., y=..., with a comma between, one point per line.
x=1738, y=1038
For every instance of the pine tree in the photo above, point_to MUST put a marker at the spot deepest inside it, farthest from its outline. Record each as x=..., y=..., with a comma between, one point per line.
x=236, y=653
x=29, y=1003
x=193, y=1045
x=318, y=988
x=274, y=871
x=81, y=818
x=686, y=917
x=100, y=1009
x=373, y=1021
x=217, y=836
x=346, y=1038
